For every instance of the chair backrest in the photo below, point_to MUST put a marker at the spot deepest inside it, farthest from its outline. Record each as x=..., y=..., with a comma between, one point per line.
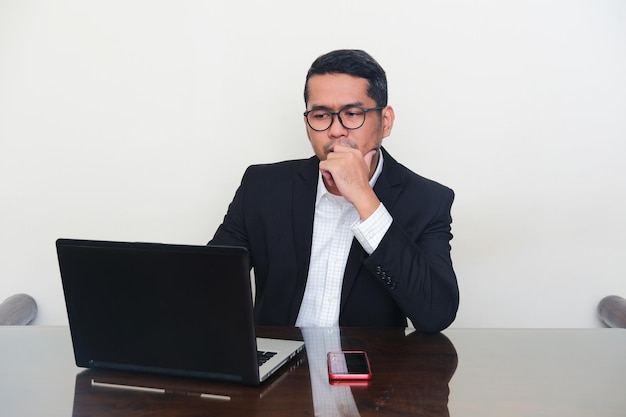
x=612, y=311
x=19, y=309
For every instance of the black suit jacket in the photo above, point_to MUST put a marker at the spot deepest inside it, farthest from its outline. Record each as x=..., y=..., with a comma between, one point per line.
x=410, y=274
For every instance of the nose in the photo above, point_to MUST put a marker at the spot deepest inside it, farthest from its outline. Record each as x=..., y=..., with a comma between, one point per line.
x=336, y=129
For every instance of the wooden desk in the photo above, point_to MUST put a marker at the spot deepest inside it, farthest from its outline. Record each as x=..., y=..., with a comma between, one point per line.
x=459, y=373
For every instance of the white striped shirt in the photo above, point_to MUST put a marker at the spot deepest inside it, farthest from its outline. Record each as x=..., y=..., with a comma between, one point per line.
x=335, y=225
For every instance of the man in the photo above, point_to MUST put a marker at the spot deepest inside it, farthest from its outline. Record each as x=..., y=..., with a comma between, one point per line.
x=348, y=237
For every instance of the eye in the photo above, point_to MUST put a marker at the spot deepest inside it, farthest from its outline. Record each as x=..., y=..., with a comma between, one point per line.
x=352, y=113
x=319, y=115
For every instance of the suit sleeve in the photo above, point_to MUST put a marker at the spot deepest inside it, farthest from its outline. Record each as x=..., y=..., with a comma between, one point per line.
x=416, y=268
x=232, y=231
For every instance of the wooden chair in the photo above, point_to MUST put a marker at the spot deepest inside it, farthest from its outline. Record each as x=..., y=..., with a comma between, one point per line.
x=612, y=311
x=19, y=309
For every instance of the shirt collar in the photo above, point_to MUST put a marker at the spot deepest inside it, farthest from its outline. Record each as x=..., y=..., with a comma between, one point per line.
x=323, y=191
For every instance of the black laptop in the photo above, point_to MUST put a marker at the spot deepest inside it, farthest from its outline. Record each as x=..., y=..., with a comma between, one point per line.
x=176, y=310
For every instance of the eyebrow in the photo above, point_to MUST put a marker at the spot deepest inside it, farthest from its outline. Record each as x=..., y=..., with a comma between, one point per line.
x=345, y=106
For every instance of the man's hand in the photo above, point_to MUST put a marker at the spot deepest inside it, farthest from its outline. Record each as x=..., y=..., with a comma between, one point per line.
x=347, y=172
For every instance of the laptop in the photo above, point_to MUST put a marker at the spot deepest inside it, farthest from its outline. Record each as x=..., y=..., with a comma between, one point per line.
x=176, y=310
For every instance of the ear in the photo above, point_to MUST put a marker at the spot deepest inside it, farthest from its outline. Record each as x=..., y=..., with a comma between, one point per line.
x=388, y=117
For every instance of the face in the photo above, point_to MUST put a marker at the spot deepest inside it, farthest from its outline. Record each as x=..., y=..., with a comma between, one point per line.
x=334, y=92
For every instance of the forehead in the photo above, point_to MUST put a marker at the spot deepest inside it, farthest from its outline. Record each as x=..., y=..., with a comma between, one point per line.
x=338, y=90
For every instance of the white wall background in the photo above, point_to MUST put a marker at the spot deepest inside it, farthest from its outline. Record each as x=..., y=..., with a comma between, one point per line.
x=134, y=120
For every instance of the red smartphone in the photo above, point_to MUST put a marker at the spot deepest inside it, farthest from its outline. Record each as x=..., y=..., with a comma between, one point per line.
x=349, y=365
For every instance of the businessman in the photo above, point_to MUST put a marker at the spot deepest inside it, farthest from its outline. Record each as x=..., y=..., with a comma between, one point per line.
x=348, y=237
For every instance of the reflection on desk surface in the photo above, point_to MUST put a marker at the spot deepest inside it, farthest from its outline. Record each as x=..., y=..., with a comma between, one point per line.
x=460, y=373
x=410, y=374
x=115, y=393
x=411, y=378
x=539, y=372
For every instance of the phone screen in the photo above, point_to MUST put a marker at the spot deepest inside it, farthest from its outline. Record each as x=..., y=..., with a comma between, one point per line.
x=348, y=365
x=356, y=363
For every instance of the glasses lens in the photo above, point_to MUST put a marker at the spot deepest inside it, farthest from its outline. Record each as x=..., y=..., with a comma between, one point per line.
x=352, y=117
x=319, y=119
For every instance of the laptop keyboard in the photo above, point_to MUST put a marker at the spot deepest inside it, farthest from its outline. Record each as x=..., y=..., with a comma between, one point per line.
x=264, y=356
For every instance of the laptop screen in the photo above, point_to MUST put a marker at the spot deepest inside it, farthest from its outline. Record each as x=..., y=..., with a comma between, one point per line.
x=184, y=310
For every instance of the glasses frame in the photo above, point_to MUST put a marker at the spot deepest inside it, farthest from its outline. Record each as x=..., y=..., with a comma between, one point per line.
x=365, y=110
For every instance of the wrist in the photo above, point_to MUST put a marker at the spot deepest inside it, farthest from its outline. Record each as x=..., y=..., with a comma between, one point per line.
x=367, y=206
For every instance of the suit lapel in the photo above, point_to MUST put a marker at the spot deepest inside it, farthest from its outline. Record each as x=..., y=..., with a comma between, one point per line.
x=387, y=189
x=389, y=184
x=304, y=192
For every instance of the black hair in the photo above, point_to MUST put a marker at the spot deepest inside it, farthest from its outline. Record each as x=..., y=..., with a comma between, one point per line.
x=352, y=62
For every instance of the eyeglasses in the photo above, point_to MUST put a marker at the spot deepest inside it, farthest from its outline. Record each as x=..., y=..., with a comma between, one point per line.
x=351, y=117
